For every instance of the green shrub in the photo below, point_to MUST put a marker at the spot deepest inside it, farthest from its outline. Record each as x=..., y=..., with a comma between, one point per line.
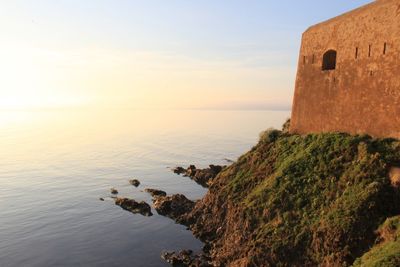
x=269, y=135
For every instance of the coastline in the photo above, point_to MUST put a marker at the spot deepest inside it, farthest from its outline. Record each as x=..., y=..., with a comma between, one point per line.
x=297, y=201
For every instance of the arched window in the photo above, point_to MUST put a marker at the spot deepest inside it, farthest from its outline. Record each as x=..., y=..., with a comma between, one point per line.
x=329, y=60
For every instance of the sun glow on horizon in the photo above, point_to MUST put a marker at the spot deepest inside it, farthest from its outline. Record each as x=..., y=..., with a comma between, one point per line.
x=48, y=63
x=36, y=78
x=36, y=102
x=33, y=78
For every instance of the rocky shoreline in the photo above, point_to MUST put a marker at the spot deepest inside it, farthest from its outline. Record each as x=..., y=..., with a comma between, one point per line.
x=203, y=177
x=316, y=200
x=262, y=210
x=134, y=206
x=176, y=207
x=179, y=208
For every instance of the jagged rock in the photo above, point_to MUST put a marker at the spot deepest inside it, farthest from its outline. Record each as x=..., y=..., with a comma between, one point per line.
x=134, y=182
x=179, y=170
x=185, y=258
x=114, y=191
x=201, y=176
x=134, y=206
x=191, y=171
x=173, y=206
x=155, y=192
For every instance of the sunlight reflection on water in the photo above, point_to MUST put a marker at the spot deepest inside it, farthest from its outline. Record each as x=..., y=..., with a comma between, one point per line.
x=55, y=165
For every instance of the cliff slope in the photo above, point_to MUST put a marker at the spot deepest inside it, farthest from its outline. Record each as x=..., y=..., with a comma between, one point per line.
x=386, y=252
x=301, y=201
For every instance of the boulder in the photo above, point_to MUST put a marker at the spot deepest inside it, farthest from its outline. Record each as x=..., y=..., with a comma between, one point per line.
x=134, y=206
x=191, y=171
x=179, y=170
x=155, y=192
x=186, y=258
x=114, y=191
x=134, y=182
x=202, y=177
x=173, y=206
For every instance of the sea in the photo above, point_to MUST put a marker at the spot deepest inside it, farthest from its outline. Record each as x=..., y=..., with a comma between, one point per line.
x=55, y=165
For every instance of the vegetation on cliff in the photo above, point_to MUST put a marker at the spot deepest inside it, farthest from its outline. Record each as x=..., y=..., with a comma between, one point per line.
x=386, y=252
x=298, y=200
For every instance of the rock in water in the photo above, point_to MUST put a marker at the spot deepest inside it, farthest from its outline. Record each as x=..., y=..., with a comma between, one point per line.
x=134, y=206
x=179, y=170
x=134, y=182
x=114, y=191
x=173, y=206
x=186, y=258
x=205, y=176
x=155, y=192
x=191, y=171
x=202, y=177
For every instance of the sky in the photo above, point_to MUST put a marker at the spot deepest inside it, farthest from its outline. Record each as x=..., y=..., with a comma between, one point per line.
x=154, y=54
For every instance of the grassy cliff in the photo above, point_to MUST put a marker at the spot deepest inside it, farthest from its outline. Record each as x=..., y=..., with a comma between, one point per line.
x=302, y=201
x=386, y=252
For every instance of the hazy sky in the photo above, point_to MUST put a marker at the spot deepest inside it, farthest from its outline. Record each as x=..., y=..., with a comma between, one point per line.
x=154, y=53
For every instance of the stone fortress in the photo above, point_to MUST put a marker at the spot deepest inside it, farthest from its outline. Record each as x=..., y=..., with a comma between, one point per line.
x=348, y=77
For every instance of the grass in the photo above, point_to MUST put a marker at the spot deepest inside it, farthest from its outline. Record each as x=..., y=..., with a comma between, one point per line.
x=386, y=252
x=315, y=199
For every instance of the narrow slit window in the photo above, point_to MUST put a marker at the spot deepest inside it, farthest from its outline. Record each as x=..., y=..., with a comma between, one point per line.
x=384, y=48
x=369, y=51
x=356, y=55
x=304, y=60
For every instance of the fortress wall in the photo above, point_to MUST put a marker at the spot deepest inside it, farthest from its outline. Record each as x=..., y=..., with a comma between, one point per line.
x=362, y=95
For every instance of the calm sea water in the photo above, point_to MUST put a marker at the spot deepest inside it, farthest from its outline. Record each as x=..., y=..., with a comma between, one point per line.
x=55, y=165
